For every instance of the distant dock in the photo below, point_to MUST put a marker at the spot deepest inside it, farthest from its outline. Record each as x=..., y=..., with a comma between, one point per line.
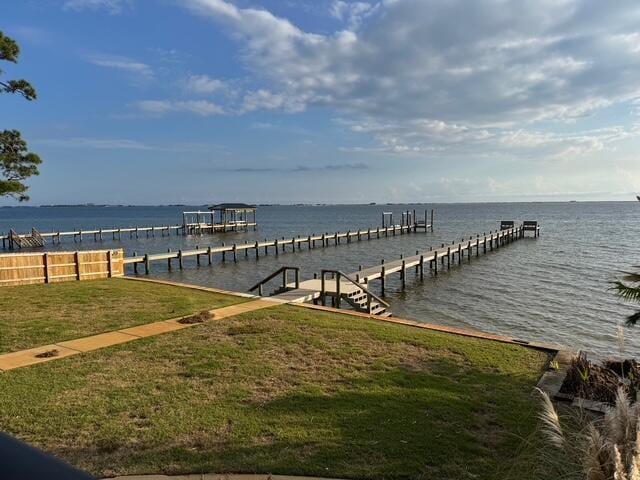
x=276, y=246
x=225, y=217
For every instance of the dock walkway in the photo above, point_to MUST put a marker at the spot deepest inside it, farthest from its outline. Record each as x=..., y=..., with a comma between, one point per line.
x=277, y=246
x=97, y=234
x=361, y=298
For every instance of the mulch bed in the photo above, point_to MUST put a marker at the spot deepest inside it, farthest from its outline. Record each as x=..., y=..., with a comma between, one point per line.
x=600, y=381
x=197, y=318
x=48, y=354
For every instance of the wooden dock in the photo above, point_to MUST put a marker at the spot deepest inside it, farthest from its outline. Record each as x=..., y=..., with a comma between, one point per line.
x=355, y=288
x=277, y=246
x=116, y=233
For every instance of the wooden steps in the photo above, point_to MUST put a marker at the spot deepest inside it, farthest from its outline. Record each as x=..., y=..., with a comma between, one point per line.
x=34, y=240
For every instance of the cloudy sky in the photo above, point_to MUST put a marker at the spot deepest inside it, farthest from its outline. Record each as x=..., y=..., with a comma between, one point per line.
x=192, y=101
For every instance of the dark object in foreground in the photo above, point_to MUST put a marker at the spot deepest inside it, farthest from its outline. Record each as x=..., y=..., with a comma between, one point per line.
x=600, y=381
x=197, y=318
x=23, y=462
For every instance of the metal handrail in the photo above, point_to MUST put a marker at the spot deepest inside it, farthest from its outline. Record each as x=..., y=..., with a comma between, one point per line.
x=283, y=271
x=339, y=274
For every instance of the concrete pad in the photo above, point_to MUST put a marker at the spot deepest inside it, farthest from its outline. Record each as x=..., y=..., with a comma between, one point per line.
x=151, y=329
x=98, y=341
x=24, y=358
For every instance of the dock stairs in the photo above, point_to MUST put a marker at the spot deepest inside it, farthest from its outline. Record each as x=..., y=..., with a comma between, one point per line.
x=358, y=300
x=333, y=285
x=25, y=241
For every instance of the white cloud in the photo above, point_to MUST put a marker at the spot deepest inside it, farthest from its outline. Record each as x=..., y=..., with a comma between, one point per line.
x=203, y=84
x=97, y=143
x=435, y=72
x=126, y=144
x=111, y=6
x=133, y=67
x=266, y=100
x=352, y=12
x=203, y=108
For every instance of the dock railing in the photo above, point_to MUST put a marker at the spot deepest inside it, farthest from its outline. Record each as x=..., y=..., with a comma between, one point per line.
x=338, y=276
x=285, y=282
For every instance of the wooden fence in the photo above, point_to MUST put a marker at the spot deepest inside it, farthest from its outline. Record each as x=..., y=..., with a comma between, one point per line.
x=26, y=268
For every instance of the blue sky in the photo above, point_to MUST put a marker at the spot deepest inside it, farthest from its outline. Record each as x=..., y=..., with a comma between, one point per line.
x=195, y=101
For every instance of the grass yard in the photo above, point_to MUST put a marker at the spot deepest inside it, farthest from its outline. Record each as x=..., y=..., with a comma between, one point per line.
x=35, y=315
x=285, y=390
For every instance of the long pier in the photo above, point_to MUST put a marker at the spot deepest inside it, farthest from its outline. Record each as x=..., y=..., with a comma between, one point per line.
x=98, y=234
x=355, y=287
x=277, y=246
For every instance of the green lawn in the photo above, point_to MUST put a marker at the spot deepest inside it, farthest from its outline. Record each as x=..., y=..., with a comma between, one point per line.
x=35, y=315
x=285, y=390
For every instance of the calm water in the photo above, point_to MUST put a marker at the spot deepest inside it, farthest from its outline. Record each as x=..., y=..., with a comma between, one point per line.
x=554, y=288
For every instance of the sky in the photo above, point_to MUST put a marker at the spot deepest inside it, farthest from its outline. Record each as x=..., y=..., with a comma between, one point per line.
x=327, y=101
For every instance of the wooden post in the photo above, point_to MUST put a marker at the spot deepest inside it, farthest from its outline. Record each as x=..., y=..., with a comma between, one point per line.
x=46, y=267
x=459, y=253
x=235, y=256
x=146, y=264
x=169, y=266
x=338, y=293
x=209, y=254
x=421, y=267
x=109, y=264
x=448, y=258
x=403, y=274
x=435, y=262
x=276, y=245
x=382, y=277
x=197, y=255
x=469, y=251
x=257, y=250
x=224, y=254
x=180, y=261
x=431, y=220
x=76, y=258
x=135, y=264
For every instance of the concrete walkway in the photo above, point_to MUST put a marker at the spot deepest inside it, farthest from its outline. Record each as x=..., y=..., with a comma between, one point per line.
x=55, y=351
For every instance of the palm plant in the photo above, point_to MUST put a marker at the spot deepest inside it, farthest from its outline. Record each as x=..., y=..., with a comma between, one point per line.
x=630, y=291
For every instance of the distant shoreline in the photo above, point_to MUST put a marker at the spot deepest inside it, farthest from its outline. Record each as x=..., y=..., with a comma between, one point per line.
x=263, y=205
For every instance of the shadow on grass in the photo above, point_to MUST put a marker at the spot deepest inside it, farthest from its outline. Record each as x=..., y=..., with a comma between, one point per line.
x=439, y=422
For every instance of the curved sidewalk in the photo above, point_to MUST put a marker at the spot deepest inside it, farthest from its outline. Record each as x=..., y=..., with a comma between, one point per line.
x=55, y=351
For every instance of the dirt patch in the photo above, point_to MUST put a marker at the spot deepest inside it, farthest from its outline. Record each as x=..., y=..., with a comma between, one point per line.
x=600, y=381
x=48, y=354
x=201, y=317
